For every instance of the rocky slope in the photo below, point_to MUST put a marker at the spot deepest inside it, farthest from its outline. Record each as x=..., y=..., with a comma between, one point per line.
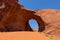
x=51, y=17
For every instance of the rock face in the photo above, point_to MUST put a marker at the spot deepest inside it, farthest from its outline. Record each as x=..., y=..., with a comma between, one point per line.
x=51, y=18
x=14, y=17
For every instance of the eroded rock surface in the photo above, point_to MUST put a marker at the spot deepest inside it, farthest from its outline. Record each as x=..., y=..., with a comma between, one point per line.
x=14, y=17
x=51, y=17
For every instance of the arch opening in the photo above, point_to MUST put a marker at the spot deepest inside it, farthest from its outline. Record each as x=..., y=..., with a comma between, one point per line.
x=33, y=24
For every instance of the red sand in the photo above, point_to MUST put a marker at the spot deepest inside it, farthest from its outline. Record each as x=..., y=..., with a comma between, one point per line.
x=23, y=36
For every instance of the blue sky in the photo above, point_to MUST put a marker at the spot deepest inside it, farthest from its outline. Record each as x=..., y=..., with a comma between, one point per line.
x=40, y=4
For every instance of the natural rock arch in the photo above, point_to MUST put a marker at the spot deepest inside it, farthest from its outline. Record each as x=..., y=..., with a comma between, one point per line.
x=15, y=17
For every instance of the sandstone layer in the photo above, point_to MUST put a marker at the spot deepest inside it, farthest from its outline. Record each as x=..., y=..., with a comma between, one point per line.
x=51, y=17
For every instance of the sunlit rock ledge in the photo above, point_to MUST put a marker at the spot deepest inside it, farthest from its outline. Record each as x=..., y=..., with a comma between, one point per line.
x=51, y=17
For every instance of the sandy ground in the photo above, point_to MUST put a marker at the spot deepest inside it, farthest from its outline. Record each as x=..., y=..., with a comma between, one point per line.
x=24, y=36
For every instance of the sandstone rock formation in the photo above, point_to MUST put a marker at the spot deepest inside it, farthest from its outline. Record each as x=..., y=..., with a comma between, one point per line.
x=14, y=17
x=51, y=17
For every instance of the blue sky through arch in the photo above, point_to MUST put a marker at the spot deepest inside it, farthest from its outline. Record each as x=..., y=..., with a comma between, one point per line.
x=34, y=24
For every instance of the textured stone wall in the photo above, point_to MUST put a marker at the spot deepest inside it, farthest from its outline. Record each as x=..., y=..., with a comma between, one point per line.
x=15, y=17
x=51, y=17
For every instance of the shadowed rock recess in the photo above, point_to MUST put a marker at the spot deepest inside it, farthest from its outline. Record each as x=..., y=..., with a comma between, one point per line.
x=14, y=17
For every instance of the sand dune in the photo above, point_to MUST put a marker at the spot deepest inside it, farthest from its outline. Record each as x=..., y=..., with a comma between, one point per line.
x=24, y=36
